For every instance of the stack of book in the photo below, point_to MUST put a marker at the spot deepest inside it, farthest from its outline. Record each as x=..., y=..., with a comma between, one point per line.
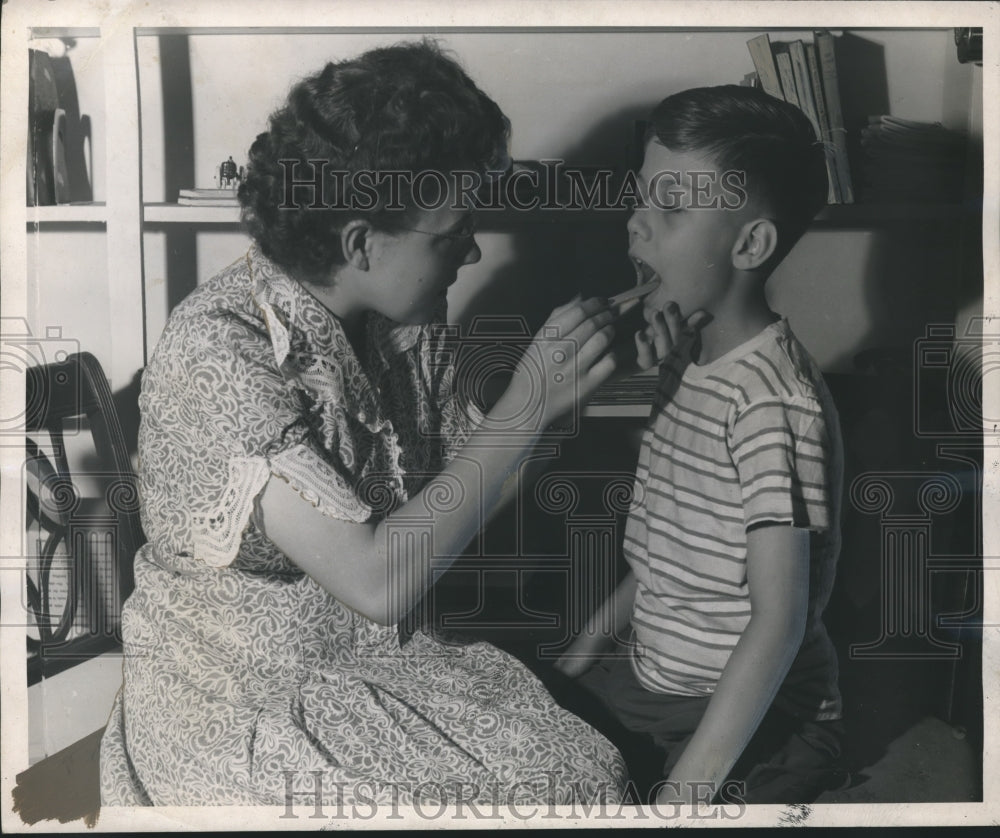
x=208, y=198
x=907, y=161
x=639, y=389
x=805, y=74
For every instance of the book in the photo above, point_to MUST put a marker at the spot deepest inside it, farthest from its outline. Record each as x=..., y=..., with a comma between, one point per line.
x=833, y=195
x=207, y=198
x=763, y=62
x=784, y=62
x=803, y=84
x=826, y=56
x=807, y=103
x=203, y=193
x=640, y=389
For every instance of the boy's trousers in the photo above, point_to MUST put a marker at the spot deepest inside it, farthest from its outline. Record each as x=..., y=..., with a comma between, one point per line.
x=788, y=760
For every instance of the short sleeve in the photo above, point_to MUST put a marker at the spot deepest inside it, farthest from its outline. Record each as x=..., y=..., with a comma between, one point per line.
x=781, y=449
x=457, y=415
x=218, y=419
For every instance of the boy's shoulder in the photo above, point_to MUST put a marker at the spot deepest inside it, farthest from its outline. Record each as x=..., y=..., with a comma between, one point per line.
x=774, y=366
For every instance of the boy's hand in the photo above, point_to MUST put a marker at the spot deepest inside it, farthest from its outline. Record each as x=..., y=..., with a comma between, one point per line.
x=665, y=332
x=582, y=654
x=674, y=794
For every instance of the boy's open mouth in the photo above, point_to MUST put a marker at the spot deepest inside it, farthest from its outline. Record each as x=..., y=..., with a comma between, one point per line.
x=646, y=281
x=643, y=273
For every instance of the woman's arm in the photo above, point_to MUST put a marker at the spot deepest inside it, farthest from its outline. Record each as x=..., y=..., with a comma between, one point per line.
x=778, y=578
x=381, y=570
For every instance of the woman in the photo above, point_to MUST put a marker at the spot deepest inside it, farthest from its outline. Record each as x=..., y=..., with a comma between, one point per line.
x=299, y=470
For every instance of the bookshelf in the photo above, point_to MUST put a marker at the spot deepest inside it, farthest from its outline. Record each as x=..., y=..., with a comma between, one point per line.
x=141, y=150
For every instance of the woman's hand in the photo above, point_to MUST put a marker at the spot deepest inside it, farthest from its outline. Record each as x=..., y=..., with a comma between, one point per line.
x=565, y=363
x=665, y=332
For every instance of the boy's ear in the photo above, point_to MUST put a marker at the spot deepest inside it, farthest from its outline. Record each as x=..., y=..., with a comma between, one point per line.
x=355, y=240
x=756, y=242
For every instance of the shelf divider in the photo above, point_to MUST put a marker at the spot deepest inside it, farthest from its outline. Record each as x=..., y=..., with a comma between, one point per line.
x=95, y=212
x=124, y=210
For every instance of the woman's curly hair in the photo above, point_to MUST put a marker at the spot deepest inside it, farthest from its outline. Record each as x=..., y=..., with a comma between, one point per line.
x=407, y=107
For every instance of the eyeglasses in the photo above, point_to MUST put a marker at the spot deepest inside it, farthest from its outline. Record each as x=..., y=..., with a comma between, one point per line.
x=463, y=234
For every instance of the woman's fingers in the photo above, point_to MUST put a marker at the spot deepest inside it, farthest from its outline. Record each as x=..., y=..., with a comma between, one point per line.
x=572, y=350
x=592, y=340
x=583, y=330
x=598, y=373
x=569, y=317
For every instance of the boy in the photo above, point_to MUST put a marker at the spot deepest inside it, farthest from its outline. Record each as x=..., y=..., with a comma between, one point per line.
x=733, y=536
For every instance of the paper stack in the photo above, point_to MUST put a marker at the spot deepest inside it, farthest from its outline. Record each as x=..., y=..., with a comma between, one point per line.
x=905, y=160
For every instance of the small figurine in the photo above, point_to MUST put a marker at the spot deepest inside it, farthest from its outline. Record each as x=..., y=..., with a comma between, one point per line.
x=229, y=175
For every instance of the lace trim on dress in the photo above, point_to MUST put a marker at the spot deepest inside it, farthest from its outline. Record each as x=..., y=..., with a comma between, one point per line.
x=277, y=331
x=319, y=484
x=217, y=537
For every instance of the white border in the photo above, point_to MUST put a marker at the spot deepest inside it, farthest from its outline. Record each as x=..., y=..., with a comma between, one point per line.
x=19, y=14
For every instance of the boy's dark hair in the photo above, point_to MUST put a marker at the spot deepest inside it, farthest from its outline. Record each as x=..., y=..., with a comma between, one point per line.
x=744, y=129
x=407, y=107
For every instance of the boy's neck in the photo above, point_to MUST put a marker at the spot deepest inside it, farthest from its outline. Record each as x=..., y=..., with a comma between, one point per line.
x=734, y=324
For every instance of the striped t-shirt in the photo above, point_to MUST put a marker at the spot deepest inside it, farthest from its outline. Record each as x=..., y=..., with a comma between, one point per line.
x=747, y=439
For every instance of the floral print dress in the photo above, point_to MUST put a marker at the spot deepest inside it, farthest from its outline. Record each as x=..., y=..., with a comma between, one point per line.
x=244, y=681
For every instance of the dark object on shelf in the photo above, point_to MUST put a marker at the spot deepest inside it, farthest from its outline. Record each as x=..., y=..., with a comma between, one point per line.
x=230, y=177
x=969, y=44
x=59, y=141
x=82, y=572
x=47, y=178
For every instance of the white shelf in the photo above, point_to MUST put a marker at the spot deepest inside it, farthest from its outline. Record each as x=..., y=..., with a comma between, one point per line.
x=177, y=214
x=89, y=213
